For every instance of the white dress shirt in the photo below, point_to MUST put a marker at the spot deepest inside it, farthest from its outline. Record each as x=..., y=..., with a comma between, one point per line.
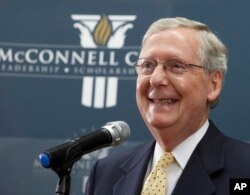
x=182, y=153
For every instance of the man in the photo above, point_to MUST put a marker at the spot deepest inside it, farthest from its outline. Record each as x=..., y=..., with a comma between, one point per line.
x=181, y=71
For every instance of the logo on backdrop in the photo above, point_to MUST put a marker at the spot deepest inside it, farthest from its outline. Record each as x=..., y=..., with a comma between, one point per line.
x=102, y=31
x=100, y=60
x=97, y=31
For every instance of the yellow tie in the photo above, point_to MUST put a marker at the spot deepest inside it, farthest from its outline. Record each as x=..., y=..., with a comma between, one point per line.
x=155, y=183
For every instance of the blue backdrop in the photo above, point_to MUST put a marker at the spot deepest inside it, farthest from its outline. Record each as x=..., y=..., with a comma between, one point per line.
x=66, y=69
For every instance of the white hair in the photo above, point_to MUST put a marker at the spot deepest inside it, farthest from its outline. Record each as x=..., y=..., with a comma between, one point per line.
x=212, y=52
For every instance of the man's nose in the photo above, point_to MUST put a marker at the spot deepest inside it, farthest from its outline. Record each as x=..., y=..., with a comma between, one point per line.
x=159, y=76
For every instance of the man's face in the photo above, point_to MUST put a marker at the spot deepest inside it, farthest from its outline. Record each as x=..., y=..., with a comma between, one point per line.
x=175, y=104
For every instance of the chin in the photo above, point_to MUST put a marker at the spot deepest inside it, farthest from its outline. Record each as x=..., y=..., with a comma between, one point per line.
x=159, y=124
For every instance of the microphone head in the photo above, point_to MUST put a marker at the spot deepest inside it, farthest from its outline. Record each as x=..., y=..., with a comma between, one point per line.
x=119, y=131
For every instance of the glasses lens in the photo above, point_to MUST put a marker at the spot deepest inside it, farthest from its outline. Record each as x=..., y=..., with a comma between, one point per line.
x=145, y=66
x=175, y=67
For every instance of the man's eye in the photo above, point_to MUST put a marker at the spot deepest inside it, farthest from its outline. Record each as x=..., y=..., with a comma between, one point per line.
x=178, y=66
x=147, y=65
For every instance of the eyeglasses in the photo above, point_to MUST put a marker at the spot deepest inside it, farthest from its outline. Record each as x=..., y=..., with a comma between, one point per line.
x=146, y=66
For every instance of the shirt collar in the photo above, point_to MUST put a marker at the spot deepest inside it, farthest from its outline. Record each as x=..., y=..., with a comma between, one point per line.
x=183, y=151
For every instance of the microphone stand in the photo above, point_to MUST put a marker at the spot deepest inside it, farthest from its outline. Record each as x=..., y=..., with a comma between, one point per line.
x=63, y=171
x=63, y=184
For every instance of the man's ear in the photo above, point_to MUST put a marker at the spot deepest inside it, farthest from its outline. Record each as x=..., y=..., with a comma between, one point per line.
x=216, y=84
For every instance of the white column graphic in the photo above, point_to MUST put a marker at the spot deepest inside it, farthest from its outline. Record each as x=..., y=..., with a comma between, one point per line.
x=99, y=92
x=87, y=91
x=99, y=89
x=112, y=87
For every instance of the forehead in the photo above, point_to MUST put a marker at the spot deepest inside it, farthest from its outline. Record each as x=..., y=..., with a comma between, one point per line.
x=180, y=42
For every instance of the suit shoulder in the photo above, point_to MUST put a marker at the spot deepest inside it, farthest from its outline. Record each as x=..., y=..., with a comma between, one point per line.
x=238, y=147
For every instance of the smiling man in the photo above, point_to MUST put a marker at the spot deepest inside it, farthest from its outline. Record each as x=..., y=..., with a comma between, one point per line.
x=181, y=70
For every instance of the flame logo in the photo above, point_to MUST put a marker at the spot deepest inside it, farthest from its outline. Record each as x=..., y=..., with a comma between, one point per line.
x=102, y=31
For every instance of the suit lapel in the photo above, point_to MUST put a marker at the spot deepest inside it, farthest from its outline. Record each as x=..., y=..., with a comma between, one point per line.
x=194, y=179
x=207, y=159
x=134, y=170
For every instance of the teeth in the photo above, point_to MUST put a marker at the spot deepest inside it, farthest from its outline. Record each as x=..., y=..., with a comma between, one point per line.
x=166, y=101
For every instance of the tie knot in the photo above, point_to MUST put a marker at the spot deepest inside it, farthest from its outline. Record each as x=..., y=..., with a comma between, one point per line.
x=165, y=160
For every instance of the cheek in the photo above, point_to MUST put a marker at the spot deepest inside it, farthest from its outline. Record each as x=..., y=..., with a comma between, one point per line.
x=141, y=85
x=138, y=89
x=198, y=91
x=141, y=91
x=180, y=85
x=192, y=88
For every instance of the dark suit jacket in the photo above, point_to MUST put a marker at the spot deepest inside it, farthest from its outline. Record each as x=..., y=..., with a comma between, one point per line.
x=215, y=160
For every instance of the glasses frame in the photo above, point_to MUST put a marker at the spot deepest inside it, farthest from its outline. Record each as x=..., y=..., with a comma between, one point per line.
x=165, y=67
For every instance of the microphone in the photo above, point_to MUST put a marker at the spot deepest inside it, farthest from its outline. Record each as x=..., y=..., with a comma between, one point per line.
x=66, y=154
